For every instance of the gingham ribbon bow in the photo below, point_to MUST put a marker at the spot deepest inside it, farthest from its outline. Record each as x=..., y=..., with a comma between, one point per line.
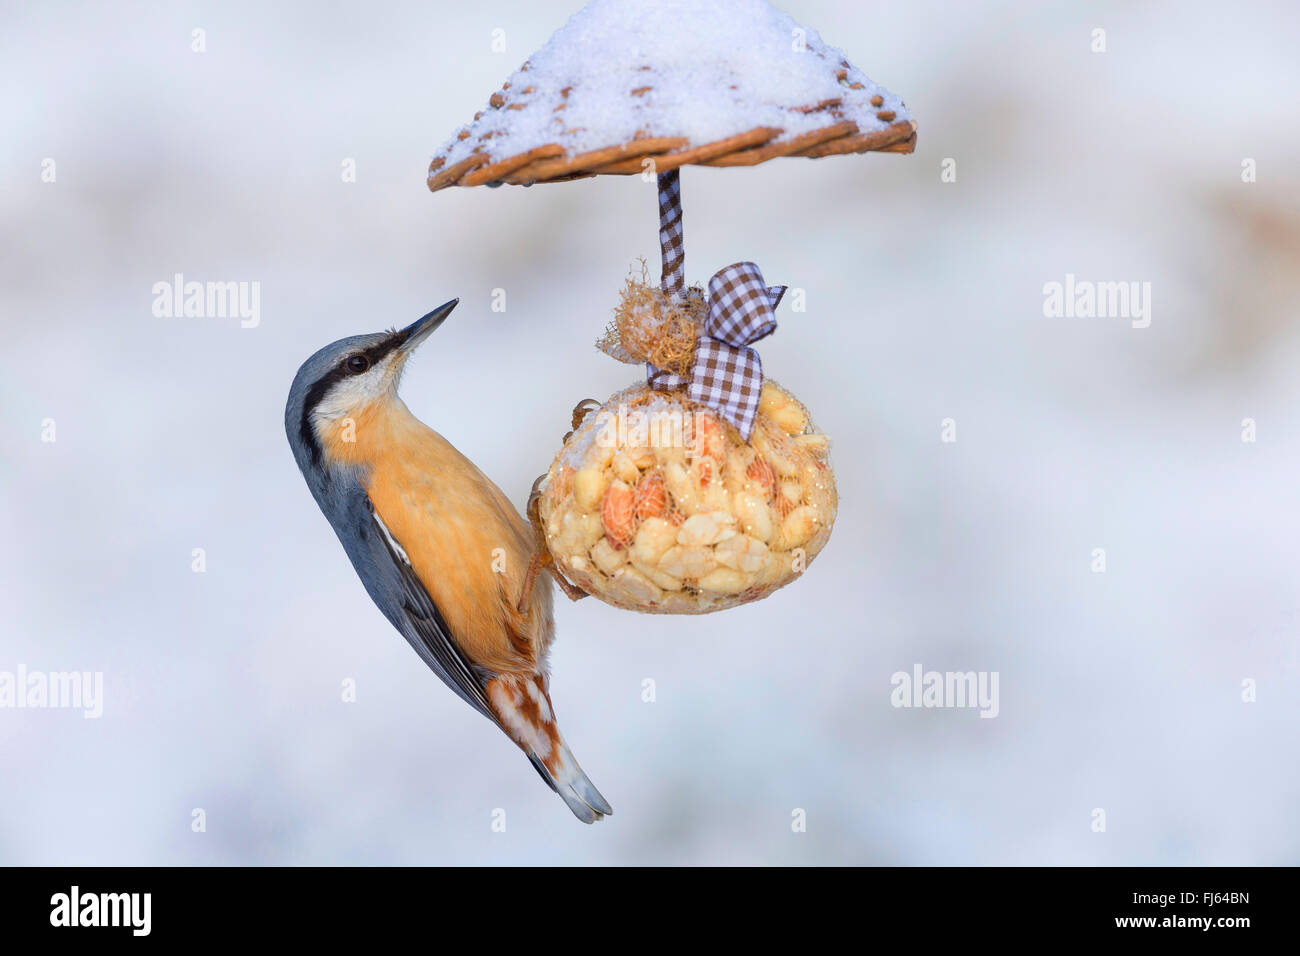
x=726, y=375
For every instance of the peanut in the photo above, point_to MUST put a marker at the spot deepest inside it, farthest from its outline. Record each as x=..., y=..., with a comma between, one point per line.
x=772, y=399
x=681, y=487
x=704, y=528
x=588, y=486
x=616, y=514
x=636, y=587
x=653, y=538
x=660, y=578
x=817, y=445
x=790, y=419
x=687, y=561
x=724, y=581
x=606, y=558
x=625, y=468
x=742, y=553
x=798, y=527
x=754, y=515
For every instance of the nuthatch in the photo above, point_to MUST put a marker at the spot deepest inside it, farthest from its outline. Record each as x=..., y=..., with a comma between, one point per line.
x=422, y=526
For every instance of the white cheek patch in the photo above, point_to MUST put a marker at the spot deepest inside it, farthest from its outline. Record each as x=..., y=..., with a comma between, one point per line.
x=351, y=394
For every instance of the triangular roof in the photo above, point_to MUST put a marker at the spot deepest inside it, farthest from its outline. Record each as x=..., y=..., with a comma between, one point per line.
x=705, y=82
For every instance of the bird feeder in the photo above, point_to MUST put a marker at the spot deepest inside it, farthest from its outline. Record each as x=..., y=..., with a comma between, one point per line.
x=706, y=485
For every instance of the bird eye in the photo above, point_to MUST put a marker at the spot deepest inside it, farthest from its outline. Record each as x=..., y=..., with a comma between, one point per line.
x=357, y=364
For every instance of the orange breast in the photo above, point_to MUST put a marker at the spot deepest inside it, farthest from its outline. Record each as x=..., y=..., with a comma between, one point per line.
x=466, y=541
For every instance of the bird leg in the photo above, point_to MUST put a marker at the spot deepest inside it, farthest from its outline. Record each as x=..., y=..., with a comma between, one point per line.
x=541, y=559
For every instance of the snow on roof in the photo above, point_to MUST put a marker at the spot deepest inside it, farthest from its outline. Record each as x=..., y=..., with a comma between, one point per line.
x=717, y=82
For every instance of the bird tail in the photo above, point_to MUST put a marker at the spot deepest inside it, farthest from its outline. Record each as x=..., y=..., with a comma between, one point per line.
x=524, y=709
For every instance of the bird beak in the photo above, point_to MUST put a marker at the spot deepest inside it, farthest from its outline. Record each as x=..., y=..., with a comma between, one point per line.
x=422, y=328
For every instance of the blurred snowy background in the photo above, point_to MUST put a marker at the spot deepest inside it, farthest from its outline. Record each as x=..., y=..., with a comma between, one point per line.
x=1119, y=690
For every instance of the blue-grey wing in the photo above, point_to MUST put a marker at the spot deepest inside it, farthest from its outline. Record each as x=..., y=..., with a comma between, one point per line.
x=382, y=565
x=391, y=582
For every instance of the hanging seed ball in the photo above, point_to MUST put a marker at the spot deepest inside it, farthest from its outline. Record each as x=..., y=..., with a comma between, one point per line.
x=656, y=504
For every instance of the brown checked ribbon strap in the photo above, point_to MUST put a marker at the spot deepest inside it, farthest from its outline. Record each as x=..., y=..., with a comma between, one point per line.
x=672, y=251
x=672, y=247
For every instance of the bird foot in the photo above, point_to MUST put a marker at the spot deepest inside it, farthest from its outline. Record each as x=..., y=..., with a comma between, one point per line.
x=542, y=561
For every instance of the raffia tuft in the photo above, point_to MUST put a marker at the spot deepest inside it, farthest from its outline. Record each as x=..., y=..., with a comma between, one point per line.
x=648, y=326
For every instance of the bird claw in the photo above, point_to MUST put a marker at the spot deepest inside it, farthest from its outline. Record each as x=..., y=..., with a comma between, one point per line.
x=580, y=411
x=571, y=591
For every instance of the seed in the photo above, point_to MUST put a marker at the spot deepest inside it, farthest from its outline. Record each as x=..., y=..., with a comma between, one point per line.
x=636, y=587
x=754, y=514
x=681, y=561
x=651, y=497
x=625, y=468
x=617, y=516
x=705, y=528
x=798, y=527
x=562, y=484
x=771, y=399
x=818, y=445
x=653, y=538
x=742, y=553
x=710, y=439
x=606, y=558
x=790, y=419
x=760, y=472
x=725, y=581
x=588, y=487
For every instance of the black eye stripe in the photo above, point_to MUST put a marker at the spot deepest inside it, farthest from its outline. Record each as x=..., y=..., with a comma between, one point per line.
x=377, y=353
x=321, y=387
x=374, y=355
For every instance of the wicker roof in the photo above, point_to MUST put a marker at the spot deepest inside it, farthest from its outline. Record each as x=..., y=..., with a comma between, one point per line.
x=525, y=135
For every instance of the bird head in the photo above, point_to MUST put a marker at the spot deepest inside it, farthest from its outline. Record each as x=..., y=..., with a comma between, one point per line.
x=348, y=377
